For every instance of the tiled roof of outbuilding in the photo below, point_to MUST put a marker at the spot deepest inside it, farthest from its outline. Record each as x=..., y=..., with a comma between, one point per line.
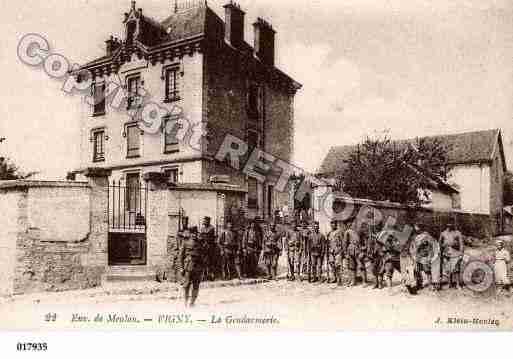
x=468, y=147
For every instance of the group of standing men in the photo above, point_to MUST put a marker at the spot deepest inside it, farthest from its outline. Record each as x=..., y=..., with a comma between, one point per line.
x=200, y=254
x=354, y=248
x=361, y=248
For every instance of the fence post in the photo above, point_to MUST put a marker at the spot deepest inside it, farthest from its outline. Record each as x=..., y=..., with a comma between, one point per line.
x=98, y=179
x=157, y=219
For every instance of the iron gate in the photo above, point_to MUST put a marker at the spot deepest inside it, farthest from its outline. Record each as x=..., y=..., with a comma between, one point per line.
x=127, y=206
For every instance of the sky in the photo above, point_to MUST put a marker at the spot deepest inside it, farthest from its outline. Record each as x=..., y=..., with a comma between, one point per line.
x=411, y=68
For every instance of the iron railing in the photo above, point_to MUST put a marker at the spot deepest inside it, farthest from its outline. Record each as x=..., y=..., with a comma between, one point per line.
x=127, y=207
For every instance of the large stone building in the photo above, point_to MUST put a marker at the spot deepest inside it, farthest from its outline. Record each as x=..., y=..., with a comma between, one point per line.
x=194, y=62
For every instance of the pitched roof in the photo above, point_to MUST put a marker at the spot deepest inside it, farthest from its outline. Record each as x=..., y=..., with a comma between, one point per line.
x=190, y=23
x=178, y=26
x=463, y=148
x=185, y=23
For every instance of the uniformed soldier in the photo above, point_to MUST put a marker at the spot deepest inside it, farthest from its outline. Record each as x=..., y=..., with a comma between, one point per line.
x=272, y=251
x=317, y=251
x=208, y=237
x=175, y=250
x=335, y=253
x=192, y=255
x=305, y=258
x=293, y=250
x=240, y=258
x=252, y=246
x=378, y=265
x=422, y=249
x=392, y=254
x=451, y=241
x=352, y=250
x=366, y=250
x=230, y=249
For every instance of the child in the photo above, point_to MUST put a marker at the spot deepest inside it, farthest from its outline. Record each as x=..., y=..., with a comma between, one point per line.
x=502, y=259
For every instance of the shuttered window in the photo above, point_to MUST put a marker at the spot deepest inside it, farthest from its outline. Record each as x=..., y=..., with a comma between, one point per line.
x=133, y=137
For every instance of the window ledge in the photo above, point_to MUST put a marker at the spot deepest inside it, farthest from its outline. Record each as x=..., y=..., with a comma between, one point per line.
x=133, y=156
x=172, y=99
x=98, y=114
x=96, y=160
x=168, y=152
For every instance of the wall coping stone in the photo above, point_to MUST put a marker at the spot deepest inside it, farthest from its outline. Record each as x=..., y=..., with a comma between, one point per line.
x=24, y=184
x=207, y=187
x=395, y=205
x=97, y=172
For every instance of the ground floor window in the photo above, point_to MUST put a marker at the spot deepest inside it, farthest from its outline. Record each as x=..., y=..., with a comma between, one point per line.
x=171, y=174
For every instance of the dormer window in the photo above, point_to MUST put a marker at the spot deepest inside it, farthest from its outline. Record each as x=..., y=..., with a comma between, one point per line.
x=130, y=32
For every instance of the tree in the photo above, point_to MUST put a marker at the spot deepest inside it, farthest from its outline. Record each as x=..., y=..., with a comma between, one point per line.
x=384, y=170
x=9, y=171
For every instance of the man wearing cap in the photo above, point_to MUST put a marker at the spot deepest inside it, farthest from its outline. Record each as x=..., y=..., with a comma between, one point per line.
x=423, y=252
x=175, y=249
x=230, y=249
x=272, y=251
x=305, y=258
x=293, y=249
x=451, y=241
x=391, y=253
x=352, y=249
x=208, y=237
x=192, y=254
x=317, y=251
x=335, y=252
x=251, y=247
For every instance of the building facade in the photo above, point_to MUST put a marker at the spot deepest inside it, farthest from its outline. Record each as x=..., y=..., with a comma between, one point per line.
x=204, y=78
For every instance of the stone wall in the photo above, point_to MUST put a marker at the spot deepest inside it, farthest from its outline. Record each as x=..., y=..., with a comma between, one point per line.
x=53, y=236
x=434, y=221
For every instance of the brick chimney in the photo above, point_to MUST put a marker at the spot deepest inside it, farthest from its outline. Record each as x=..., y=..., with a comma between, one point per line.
x=234, y=24
x=112, y=44
x=264, y=41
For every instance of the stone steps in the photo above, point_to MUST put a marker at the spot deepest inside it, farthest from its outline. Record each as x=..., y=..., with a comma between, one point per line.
x=128, y=274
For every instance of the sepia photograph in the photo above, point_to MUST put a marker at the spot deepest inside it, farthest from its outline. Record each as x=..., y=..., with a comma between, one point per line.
x=259, y=165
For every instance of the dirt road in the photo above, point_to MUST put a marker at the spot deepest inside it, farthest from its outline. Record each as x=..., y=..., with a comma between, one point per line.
x=268, y=306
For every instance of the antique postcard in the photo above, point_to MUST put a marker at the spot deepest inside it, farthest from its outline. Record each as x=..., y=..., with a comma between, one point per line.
x=260, y=165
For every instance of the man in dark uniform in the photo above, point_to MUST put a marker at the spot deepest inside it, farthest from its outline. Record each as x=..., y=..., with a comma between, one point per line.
x=305, y=258
x=392, y=254
x=317, y=250
x=272, y=251
x=366, y=250
x=230, y=249
x=252, y=246
x=353, y=250
x=377, y=253
x=423, y=250
x=335, y=252
x=191, y=257
x=208, y=237
x=293, y=249
x=451, y=241
x=175, y=250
